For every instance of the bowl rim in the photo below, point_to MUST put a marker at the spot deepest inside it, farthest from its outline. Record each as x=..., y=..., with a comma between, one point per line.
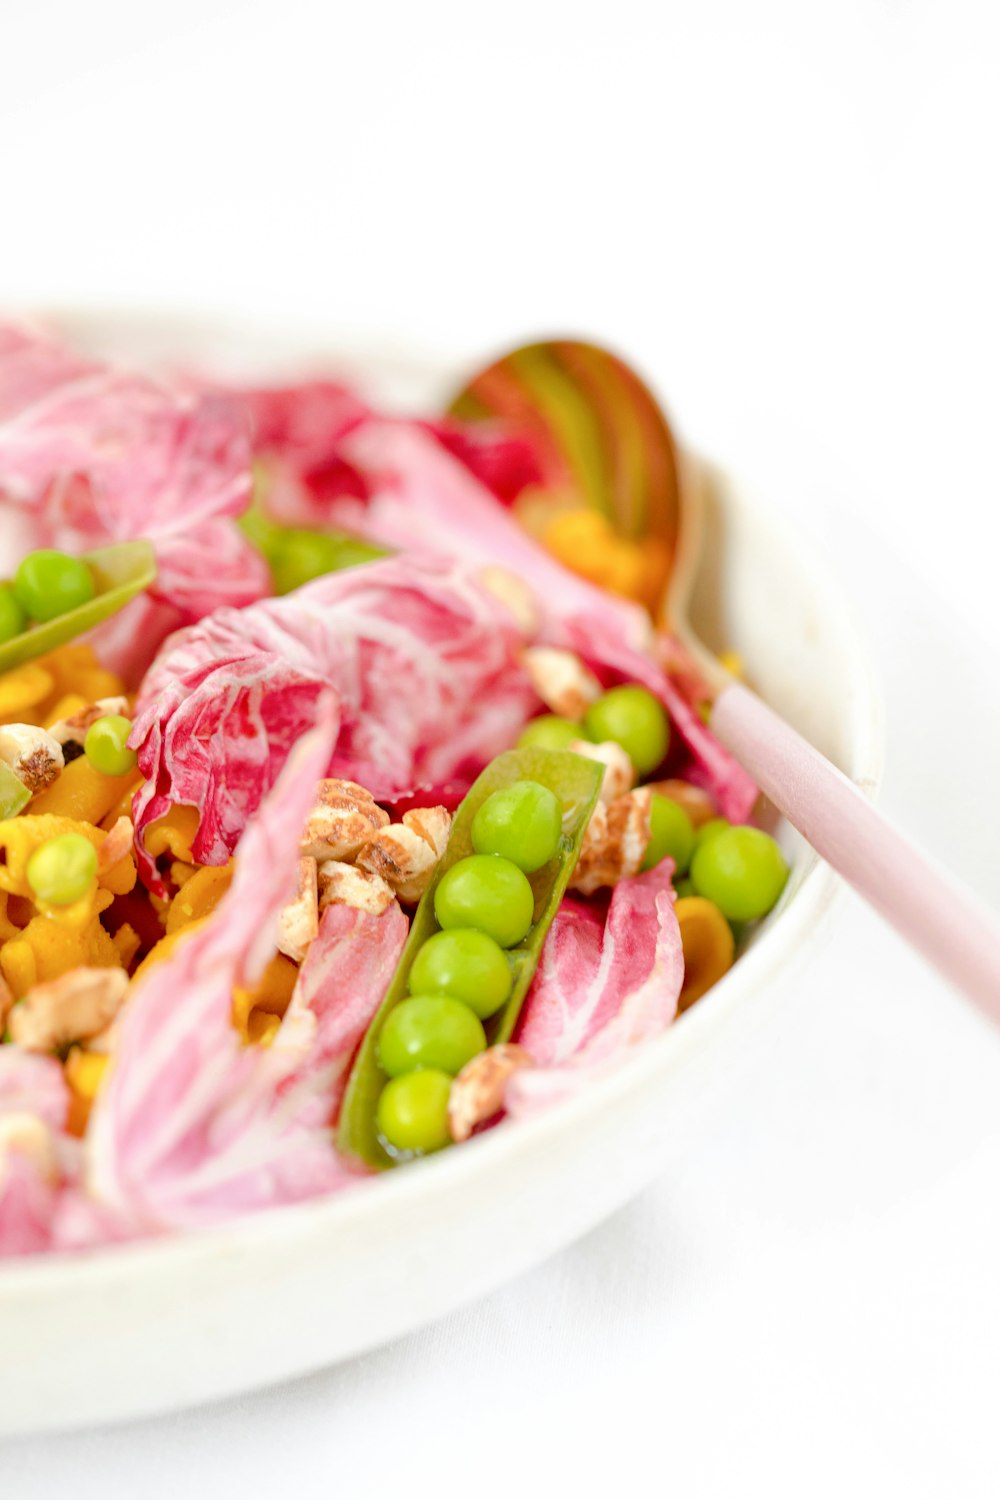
x=774, y=950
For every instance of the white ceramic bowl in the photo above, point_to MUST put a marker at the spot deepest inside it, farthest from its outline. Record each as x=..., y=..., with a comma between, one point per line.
x=141, y=1329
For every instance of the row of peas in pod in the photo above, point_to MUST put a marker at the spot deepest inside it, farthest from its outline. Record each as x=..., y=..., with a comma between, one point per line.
x=47, y=584
x=461, y=975
x=740, y=869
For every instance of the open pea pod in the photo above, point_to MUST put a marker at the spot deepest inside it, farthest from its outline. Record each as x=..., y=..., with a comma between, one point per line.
x=576, y=781
x=120, y=572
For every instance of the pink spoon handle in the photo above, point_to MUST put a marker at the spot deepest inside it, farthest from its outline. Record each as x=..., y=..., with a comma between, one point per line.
x=927, y=907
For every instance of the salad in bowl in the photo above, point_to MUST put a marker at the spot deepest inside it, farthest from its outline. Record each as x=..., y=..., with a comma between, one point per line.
x=379, y=812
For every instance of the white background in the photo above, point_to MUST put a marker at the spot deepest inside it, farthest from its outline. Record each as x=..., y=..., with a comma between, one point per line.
x=786, y=214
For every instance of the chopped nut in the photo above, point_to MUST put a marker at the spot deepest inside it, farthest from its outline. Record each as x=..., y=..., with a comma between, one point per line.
x=697, y=804
x=514, y=593
x=32, y=754
x=620, y=774
x=72, y=1008
x=298, y=920
x=115, y=847
x=614, y=843
x=343, y=819
x=342, y=884
x=405, y=854
x=477, y=1092
x=74, y=729
x=27, y=1135
x=433, y=824
x=561, y=680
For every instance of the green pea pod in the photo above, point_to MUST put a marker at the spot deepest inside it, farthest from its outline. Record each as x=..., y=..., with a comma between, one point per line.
x=576, y=781
x=120, y=572
x=13, y=793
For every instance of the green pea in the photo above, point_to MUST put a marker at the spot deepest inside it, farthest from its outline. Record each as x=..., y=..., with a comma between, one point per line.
x=12, y=617
x=522, y=822
x=48, y=584
x=636, y=720
x=106, y=745
x=412, y=1111
x=298, y=556
x=429, y=1031
x=550, y=732
x=466, y=964
x=62, y=870
x=487, y=893
x=671, y=833
x=708, y=831
x=742, y=870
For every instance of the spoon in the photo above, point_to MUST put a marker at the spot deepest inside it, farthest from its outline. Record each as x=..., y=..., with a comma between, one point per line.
x=120, y=571
x=605, y=444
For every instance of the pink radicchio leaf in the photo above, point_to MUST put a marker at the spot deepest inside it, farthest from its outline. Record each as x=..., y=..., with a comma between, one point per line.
x=600, y=989
x=343, y=978
x=92, y=454
x=300, y=433
x=422, y=660
x=193, y=1127
x=34, y=1102
x=423, y=492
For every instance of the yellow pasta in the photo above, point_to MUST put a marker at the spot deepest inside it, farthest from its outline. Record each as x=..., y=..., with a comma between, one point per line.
x=173, y=834
x=21, y=693
x=85, y=1072
x=199, y=895
x=257, y=1013
x=83, y=792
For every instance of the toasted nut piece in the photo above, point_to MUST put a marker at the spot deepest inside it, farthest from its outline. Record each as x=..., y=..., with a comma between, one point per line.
x=341, y=884
x=343, y=819
x=709, y=949
x=433, y=825
x=477, y=1092
x=298, y=920
x=697, y=804
x=74, y=729
x=115, y=847
x=512, y=592
x=32, y=754
x=614, y=843
x=619, y=776
x=561, y=680
x=72, y=1008
x=28, y=1136
x=405, y=854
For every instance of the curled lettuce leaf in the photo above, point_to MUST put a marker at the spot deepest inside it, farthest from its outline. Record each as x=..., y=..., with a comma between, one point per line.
x=91, y=453
x=606, y=982
x=418, y=494
x=421, y=659
x=193, y=1127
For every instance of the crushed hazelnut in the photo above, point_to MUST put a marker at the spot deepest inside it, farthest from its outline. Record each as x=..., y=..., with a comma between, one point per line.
x=73, y=730
x=561, y=680
x=32, y=754
x=341, y=884
x=78, y=1005
x=405, y=854
x=477, y=1092
x=615, y=841
x=619, y=775
x=298, y=920
x=344, y=817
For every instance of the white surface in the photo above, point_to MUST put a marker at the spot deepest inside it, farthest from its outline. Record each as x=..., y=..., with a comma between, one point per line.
x=803, y=252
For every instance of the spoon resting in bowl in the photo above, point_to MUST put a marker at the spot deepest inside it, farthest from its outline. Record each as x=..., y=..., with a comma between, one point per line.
x=629, y=509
